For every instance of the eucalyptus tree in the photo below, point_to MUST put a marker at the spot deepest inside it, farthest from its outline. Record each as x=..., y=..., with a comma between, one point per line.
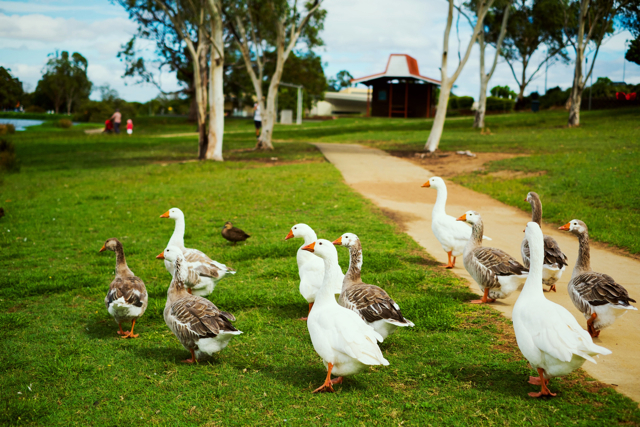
x=587, y=23
x=262, y=28
x=534, y=24
x=492, y=33
x=65, y=80
x=447, y=81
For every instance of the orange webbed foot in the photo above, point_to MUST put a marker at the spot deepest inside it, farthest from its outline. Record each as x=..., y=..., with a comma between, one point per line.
x=541, y=394
x=325, y=388
x=304, y=318
x=337, y=381
x=536, y=381
x=192, y=359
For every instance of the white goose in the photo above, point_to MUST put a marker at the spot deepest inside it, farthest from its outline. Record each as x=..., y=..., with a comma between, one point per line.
x=310, y=267
x=208, y=272
x=452, y=235
x=597, y=295
x=497, y=273
x=341, y=338
x=548, y=336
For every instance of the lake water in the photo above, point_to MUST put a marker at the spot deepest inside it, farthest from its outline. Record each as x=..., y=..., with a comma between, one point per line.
x=21, y=124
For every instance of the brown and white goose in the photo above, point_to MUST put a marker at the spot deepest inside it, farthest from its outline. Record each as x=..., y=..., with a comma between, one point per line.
x=497, y=273
x=600, y=299
x=199, y=325
x=371, y=302
x=555, y=261
x=207, y=271
x=127, y=298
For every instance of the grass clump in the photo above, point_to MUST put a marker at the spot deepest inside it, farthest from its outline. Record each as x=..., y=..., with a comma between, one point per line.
x=8, y=160
x=65, y=123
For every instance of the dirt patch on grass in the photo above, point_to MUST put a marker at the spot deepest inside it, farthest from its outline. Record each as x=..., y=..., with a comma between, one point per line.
x=400, y=218
x=449, y=164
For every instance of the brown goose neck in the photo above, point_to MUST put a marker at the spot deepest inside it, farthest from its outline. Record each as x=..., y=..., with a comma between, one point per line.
x=355, y=263
x=584, y=253
x=476, y=233
x=121, y=263
x=536, y=211
x=177, y=289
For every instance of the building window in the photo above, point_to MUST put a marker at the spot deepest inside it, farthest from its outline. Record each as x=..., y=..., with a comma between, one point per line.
x=382, y=95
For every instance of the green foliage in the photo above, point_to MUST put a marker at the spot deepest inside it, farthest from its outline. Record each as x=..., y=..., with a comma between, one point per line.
x=465, y=102
x=342, y=80
x=65, y=123
x=10, y=90
x=555, y=97
x=500, y=104
x=604, y=88
x=633, y=53
x=64, y=81
x=303, y=69
x=503, y=92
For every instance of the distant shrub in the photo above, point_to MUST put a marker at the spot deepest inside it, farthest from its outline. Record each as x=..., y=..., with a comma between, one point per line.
x=453, y=103
x=35, y=109
x=64, y=123
x=500, y=104
x=465, y=102
x=8, y=161
x=7, y=129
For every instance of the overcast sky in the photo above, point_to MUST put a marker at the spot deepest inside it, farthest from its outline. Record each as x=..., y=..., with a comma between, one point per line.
x=359, y=36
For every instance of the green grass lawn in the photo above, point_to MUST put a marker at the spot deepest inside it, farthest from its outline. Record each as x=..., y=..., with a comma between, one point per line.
x=62, y=362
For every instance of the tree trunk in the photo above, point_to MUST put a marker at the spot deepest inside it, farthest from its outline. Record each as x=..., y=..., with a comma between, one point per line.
x=69, y=102
x=200, y=81
x=441, y=115
x=216, y=98
x=478, y=122
x=269, y=118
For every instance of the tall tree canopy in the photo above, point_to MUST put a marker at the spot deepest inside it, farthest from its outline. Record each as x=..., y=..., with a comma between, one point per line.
x=532, y=25
x=10, y=90
x=64, y=80
x=272, y=27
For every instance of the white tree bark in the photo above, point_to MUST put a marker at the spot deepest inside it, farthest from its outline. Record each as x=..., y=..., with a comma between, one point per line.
x=447, y=82
x=484, y=78
x=216, y=86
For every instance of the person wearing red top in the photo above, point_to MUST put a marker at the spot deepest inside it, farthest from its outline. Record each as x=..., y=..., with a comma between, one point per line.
x=129, y=126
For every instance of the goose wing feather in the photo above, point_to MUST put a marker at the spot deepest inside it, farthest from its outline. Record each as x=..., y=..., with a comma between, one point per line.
x=200, y=317
x=373, y=303
x=131, y=289
x=498, y=262
x=600, y=289
x=351, y=336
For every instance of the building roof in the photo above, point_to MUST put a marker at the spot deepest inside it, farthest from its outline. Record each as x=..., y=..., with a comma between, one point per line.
x=398, y=66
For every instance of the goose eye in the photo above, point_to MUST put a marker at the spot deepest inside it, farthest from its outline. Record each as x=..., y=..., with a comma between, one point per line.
x=320, y=243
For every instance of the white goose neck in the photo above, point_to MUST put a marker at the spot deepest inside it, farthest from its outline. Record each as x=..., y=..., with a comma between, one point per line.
x=441, y=201
x=177, y=238
x=309, y=237
x=325, y=293
x=533, y=286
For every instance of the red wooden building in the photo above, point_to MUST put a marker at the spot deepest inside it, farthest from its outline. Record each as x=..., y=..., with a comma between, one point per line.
x=400, y=91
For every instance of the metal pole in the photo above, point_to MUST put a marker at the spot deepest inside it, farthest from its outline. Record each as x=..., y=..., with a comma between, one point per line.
x=299, y=116
x=590, y=86
x=546, y=71
x=624, y=61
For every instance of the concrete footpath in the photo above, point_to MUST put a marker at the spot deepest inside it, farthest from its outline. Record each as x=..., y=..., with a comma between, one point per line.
x=394, y=184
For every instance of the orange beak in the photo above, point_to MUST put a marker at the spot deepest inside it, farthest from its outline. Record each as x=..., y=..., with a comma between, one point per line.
x=102, y=249
x=309, y=247
x=165, y=215
x=338, y=241
x=427, y=184
x=161, y=256
x=290, y=235
x=462, y=218
x=565, y=227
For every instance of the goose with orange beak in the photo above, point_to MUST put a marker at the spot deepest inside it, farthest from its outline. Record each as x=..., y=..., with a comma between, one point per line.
x=310, y=267
x=597, y=295
x=497, y=273
x=201, y=327
x=452, y=235
x=548, y=336
x=346, y=344
x=370, y=302
x=127, y=298
x=212, y=271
